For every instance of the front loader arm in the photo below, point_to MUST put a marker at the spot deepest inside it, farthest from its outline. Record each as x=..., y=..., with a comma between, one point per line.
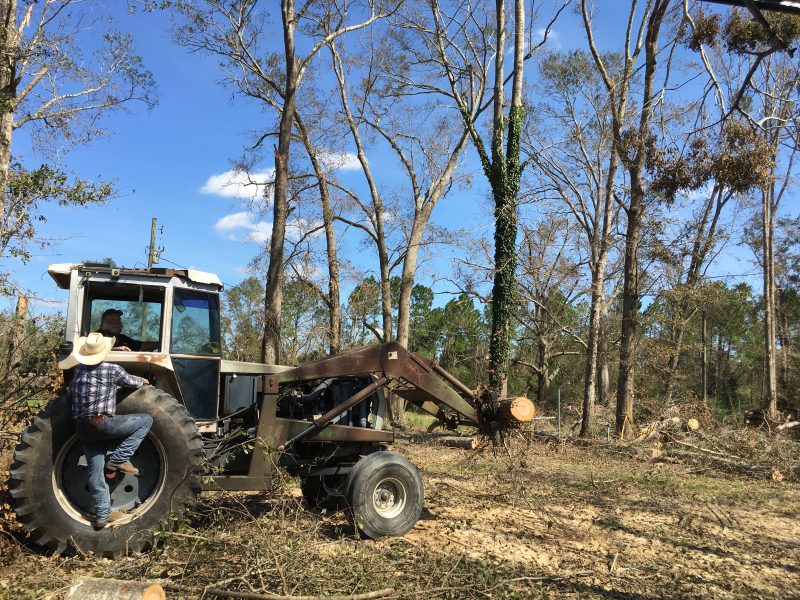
x=411, y=376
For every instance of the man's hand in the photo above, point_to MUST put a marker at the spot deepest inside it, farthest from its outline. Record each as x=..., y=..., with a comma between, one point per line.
x=123, y=348
x=145, y=381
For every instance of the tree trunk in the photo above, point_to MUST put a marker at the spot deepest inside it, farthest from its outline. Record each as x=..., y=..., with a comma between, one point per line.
x=599, y=248
x=768, y=231
x=635, y=213
x=543, y=375
x=332, y=300
x=630, y=314
x=505, y=181
x=8, y=93
x=271, y=341
x=91, y=588
x=15, y=343
x=604, y=384
x=407, y=280
x=593, y=350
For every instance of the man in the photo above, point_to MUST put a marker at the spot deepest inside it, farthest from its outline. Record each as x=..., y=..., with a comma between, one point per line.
x=94, y=403
x=111, y=326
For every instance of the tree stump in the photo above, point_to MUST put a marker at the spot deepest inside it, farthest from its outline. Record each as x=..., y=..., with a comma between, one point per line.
x=92, y=588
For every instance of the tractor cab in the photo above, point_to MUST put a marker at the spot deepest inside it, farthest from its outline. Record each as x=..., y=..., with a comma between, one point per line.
x=170, y=324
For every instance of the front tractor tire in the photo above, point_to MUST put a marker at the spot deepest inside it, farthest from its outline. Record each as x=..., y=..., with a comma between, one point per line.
x=49, y=489
x=385, y=495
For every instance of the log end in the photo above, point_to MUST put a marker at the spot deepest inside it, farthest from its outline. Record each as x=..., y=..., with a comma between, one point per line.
x=522, y=409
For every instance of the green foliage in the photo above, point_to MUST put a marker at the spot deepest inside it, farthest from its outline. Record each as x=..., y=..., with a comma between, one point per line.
x=363, y=311
x=243, y=320
x=28, y=377
x=303, y=320
x=28, y=196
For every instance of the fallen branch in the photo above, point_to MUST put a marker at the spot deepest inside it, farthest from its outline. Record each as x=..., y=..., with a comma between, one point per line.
x=788, y=425
x=719, y=462
x=688, y=445
x=384, y=593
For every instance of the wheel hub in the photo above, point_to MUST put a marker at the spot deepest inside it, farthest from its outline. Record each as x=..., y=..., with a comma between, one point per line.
x=389, y=497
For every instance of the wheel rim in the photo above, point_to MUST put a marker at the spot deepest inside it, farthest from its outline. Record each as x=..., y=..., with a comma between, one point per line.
x=389, y=497
x=131, y=493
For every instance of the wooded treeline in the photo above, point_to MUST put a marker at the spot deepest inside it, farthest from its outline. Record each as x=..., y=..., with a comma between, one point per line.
x=623, y=180
x=620, y=175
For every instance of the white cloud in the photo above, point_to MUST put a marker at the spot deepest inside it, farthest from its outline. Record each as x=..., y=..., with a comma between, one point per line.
x=243, y=227
x=239, y=184
x=339, y=161
x=234, y=221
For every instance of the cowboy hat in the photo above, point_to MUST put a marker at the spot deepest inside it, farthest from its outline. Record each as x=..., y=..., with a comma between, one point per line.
x=88, y=350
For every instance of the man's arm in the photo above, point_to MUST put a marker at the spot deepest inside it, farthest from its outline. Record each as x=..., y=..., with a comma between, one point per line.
x=126, y=343
x=125, y=379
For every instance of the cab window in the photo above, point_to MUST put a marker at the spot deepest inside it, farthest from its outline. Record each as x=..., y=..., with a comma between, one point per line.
x=195, y=322
x=141, y=308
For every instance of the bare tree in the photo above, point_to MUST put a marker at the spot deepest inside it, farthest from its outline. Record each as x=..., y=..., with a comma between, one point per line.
x=49, y=87
x=373, y=213
x=778, y=80
x=578, y=167
x=759, y=50
x=550, y=282
x=234, y=30
x=332, y=298
x=631, y=143
x=466, y=49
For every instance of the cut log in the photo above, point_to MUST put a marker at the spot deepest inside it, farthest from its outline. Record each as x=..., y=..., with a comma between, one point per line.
x=92, y=588
x=467, y=443
x=693, y=424
x=656, y=428
x=519, y=409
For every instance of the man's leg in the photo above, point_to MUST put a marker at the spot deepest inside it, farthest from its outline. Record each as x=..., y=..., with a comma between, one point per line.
x=132, y=428
x=95, y=453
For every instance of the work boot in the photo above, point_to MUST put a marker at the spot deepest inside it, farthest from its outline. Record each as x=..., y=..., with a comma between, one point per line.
x=123, y=468
x=109, y=520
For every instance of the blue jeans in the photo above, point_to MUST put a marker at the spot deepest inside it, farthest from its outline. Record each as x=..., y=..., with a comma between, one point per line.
x=96, y=441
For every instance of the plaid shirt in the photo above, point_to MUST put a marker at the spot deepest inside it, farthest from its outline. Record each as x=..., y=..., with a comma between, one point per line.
x=94, y=389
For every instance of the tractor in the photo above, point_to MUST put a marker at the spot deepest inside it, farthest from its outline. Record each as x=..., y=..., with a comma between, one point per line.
x=222, y=425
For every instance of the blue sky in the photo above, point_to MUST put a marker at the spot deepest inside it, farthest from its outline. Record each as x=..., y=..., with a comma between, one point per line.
x=164, y=161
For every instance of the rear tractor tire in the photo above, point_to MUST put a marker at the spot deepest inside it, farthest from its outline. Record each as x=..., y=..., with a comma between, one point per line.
x=49, y=488
x=385, y=495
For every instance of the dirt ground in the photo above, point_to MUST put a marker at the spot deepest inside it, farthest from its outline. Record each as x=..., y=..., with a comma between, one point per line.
x=543, y=521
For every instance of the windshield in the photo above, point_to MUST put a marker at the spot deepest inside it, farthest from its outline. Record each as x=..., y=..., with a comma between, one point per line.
x=195, y=322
